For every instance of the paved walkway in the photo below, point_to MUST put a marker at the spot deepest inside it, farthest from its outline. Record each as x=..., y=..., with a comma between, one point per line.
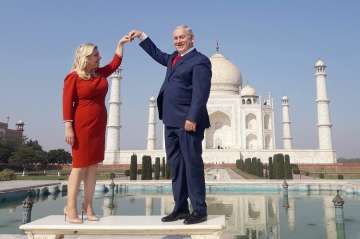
x=18, y=185
x=234, y=175
x=19, y=236
x=217, y=174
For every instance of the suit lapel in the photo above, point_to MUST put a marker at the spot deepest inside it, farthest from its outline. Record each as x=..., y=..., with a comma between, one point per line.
x=184, y=58
x=171, y=69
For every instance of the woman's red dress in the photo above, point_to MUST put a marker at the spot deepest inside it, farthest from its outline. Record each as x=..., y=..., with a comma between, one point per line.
x=84, y=103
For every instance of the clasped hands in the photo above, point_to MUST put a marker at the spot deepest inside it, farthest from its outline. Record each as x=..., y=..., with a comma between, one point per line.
x=129, y=37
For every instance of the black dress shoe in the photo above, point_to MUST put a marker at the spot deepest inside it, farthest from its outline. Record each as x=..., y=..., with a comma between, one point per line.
x=174, y=216
x=195, y=218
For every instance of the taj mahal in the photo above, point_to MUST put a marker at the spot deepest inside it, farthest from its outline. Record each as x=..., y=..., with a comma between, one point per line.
x=242, y=122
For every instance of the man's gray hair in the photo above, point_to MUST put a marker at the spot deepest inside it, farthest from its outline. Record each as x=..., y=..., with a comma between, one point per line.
x=186, y=28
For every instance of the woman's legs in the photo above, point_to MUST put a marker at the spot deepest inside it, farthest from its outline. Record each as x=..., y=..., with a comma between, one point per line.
x=75, y=178
x=89, y=188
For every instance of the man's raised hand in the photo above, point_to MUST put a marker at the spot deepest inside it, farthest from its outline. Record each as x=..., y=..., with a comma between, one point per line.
x=134, y=34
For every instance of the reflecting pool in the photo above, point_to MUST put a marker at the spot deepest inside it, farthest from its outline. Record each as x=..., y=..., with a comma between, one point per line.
x=249, y=215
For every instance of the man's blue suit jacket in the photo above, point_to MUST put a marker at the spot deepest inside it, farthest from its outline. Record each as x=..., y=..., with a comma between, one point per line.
x=186, y=88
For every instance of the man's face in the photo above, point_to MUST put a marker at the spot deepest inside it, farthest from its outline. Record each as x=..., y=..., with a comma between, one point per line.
x=182, y=40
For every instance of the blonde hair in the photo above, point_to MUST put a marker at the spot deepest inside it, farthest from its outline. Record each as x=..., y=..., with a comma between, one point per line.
x=81, y=59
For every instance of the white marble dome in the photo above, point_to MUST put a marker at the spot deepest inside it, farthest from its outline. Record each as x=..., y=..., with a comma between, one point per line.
x=248, y=91
x=319, y=62
x=226, y=77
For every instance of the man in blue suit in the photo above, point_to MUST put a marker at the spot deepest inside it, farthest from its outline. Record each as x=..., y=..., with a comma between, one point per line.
x=182, y=107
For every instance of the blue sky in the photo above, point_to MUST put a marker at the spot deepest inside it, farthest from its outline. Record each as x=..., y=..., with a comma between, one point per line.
x=273, y=43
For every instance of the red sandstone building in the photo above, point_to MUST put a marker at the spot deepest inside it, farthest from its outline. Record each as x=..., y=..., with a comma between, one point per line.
x=12, y=134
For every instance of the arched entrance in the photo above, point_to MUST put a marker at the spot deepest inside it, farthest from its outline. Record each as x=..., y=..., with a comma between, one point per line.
x=219, y=135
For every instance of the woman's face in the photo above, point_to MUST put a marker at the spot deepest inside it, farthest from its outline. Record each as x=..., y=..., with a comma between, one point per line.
x=93, y=60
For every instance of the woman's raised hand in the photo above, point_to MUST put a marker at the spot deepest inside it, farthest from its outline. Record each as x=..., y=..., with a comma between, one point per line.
x=119, y=49
x=125, y=39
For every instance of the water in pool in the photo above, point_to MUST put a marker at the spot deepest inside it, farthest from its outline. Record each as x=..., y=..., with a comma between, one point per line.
x=248, y=215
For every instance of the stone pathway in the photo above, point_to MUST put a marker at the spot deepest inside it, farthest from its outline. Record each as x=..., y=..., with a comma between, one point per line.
x=19, y=236
x=18, y=185
x=222, y=174
x=233, y=174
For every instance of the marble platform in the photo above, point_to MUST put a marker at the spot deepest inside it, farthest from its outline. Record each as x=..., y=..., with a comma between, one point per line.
x=54, y=226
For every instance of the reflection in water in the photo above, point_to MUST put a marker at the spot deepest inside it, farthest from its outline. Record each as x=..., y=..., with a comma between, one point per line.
x=248, y=216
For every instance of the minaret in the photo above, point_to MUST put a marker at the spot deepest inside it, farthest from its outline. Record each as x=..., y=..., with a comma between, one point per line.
x=322, y=101
x=20, y=125
x=113, y=126
x=287, y=139
x=20, y=131
x=151, y=140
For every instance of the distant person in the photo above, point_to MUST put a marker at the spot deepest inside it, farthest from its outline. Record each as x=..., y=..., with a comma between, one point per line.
x=182, y=107
x=84, y=113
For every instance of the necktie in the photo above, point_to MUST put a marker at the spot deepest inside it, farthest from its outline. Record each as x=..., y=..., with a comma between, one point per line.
x=175, y=59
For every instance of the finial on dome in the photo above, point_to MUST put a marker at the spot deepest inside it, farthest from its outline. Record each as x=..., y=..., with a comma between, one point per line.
x=246, y=82
x=217, y=46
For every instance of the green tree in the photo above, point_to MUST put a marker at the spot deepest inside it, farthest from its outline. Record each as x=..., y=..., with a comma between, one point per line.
x=271, y=168
x=143, y=167
x=281, y=166
x=259, y=168
x=163, y=168
x=288, y=168
x=33, y=144
x=157, y=168
x=167, y=170
x=59, y=156
x=253, y=169
x=133, y=167
x=242, y=165
x=149, y=168
x=7, y=147
x=276, y=166
x=146, y=169
x=237, y=163
x=247, y=165
x=26, y=157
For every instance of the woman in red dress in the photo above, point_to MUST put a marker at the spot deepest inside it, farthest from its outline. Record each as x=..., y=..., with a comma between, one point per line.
x=84, y=112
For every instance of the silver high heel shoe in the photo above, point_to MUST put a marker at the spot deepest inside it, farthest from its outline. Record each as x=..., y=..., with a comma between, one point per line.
x=91, y=217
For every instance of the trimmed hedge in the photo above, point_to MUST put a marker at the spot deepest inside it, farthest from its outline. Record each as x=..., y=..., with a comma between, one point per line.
x=280, y=167
x=157, y=168
x=133, y=167
x=146, y=168
x=163, y=168
x=167, y=170
x=251, y=165
x=7, y=175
